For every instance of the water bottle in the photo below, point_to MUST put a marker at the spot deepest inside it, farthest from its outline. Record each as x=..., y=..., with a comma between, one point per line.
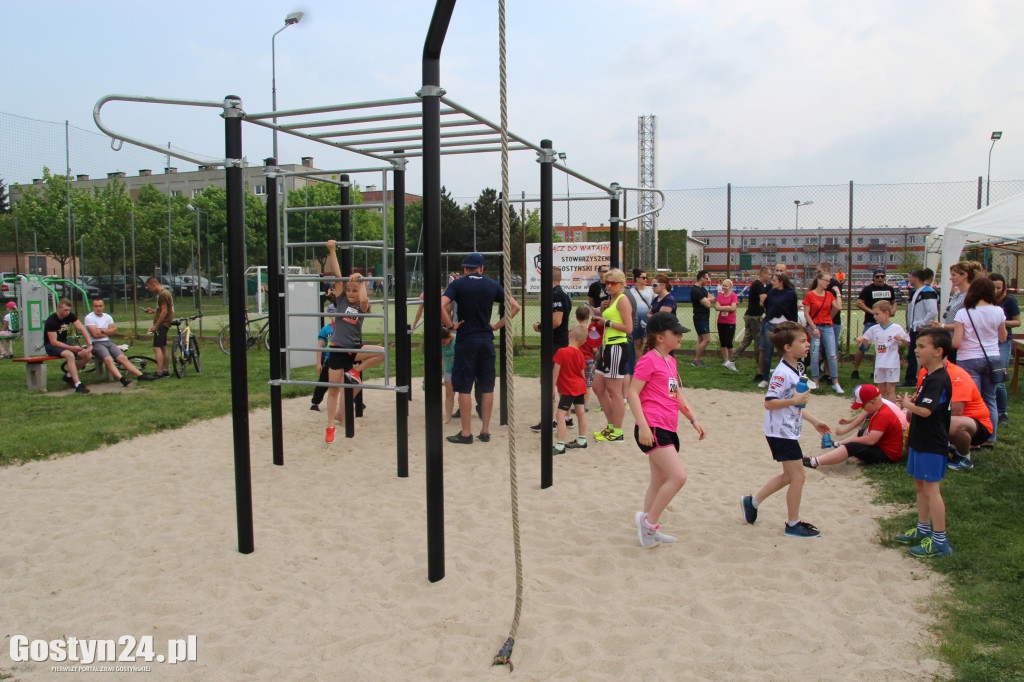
x=826, y=441
x=801, y=387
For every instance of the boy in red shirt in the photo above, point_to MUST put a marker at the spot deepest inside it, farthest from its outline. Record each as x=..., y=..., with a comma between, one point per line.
x=572, y=388
x=589, y=347
x=883, y=440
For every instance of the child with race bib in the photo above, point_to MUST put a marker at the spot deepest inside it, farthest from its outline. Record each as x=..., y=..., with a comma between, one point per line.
x=656, y=399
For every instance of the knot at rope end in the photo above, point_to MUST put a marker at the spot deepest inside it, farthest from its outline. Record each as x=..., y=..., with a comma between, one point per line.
x=504, y=656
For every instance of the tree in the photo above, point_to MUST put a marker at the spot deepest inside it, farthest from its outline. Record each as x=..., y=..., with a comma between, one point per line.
x=909, y=261
x=5, y=198
x=43, y=209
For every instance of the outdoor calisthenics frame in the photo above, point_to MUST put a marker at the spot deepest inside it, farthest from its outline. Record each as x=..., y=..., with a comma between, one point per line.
x=433, y=127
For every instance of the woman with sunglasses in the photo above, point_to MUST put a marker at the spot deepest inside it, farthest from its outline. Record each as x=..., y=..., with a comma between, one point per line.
x=664, y=301
x=644, y=295
x=617, y=321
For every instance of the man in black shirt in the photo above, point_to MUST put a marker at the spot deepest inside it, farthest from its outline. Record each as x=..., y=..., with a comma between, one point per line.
x=877, y=291
x=55, y=342
x=597, y=294
x=702, y=302
x=752, y=319
x=561, y=310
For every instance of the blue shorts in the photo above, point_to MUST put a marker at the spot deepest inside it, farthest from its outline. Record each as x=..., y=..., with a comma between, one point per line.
x=926, y=466
x=702, y=326
x=867, y=326
x=474, y=362
x=784, y=449
x=630, y=355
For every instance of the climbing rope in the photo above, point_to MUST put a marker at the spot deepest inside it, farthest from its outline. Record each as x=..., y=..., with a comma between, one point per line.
x=505, y=655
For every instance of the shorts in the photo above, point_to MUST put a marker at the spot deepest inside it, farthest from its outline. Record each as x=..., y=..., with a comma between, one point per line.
x=565, y=402
x=867, y=326
x=105, y=349
x=588, y=371
x=702, y=326
x=926, y=466
x=662, y=438
x=160, y=337
x=474, y=363
x=612, y=364
x=630, y=355
x=981, y=435
x=345, y=361
x=869, y=454
x=887, y=375
x=784, y=449
x=54, y=350
x=726, y=333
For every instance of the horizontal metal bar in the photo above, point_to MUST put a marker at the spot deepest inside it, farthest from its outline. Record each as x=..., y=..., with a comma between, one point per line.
x=582, y=197
x=329, y=349
x=462, y=253
x=372, y=104
x=316, y=278
x=584, y=178
x=340, y=245
x=339, y=207
x=444, y=145
x=378, y=387
x=447, y=152
x=292, y=174
x=335, y=314
x=307, y=136
x=362, y=119
x=392, y=129
x=393, y=141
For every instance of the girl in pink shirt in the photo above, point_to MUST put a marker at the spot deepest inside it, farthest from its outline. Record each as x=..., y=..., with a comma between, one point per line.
x=726, y=304
x=656, y=399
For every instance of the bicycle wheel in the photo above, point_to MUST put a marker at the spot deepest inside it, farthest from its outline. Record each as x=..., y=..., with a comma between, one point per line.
x=193, y=351
x=265, y=333
x=178, y=359
x=144, y=364
x=224, y=339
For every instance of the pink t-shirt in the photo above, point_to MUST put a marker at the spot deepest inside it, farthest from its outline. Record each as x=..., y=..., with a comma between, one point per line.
x=658, y=397
x=727, y=318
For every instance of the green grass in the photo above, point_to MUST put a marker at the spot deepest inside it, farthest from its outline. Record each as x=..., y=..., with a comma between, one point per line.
x=980, y=622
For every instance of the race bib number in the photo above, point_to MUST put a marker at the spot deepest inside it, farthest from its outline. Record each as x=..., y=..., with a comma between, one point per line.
x=673, y=388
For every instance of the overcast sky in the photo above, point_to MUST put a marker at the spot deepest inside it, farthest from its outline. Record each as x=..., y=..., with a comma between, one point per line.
x=749, y=92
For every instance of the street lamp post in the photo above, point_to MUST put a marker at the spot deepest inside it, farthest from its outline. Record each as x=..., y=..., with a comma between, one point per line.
x=293, y=18
x=199, y=267
x=796, y=231
x=568, y=201
x=996, y=135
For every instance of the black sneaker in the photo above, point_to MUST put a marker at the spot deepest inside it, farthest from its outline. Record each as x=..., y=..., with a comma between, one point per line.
x=825, y=379
x=314, y=408
x=807, y=463
x=749, y=510
x=460, y=439
x=67, y=380
x=457, y=415
x=81, y=388
x=147, y=377
x=758, y=378
x=538, y=427
x=575, y=444
x=802, y=530
x=855, y=374
x=484, y=438
x=125, y=381
x=556, y=451
x=480, y=411
x=569, y=423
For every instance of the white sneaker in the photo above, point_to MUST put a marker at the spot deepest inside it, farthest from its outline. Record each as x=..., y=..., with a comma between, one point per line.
x=838, y=389
x=811, y=385
x=730, y=365
x=763, y=384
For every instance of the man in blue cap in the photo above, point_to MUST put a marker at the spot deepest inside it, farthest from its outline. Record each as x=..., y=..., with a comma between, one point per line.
x=475, y=296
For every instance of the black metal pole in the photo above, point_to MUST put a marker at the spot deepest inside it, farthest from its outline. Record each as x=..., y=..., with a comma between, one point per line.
x=547, y=342
x=403, y=343
x=236, y=318
x=615, y=227
x=274, y=305
x=432, y=369
x=503, y=338
x=980, y=186
x=346, y=271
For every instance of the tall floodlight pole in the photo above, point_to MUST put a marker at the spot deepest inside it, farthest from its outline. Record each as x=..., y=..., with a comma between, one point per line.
x=996, y=135
x=293, y=18
x=796, y=234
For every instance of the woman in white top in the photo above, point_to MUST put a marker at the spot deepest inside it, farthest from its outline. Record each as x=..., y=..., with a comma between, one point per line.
x=979, y=329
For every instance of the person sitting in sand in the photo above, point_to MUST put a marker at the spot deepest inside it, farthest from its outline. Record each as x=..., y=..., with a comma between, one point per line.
x=883, y=441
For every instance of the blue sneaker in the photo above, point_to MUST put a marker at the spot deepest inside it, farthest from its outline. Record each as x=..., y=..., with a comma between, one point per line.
x=749, y=510
x=911, y=537
x=802, y=530
x=960, y=463
x=929, y=547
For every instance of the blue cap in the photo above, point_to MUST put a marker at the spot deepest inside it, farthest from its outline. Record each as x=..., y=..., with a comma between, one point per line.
x=473, y=260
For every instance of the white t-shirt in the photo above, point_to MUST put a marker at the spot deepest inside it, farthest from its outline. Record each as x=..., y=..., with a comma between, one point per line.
x=987, y=319
x=101, y=322
x=7, y=321
x=786, y=422
x=887, y=352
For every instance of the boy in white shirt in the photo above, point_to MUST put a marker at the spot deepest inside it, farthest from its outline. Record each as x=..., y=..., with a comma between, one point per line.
x=886, y=336
x=101, y=327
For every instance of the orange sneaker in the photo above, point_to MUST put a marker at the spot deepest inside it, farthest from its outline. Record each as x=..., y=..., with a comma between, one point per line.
x=329, y=438
x=353, y=374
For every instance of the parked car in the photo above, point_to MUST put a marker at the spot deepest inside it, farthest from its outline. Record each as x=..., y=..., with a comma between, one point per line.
x=64, y=288
x=120, y=287
x=210, y=287
x=173, y=286
x=8, y=287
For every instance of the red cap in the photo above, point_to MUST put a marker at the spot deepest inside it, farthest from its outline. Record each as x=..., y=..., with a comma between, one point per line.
x=864, y=393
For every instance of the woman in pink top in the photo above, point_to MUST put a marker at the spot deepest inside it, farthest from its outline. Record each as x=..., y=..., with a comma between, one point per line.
x=656, y=399
x=726, y=305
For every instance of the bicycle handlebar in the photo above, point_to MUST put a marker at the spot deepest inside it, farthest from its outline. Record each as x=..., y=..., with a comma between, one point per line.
x=180, y=320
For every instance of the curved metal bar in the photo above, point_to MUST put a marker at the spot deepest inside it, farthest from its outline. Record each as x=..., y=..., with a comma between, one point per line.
x=118, y=137
x=645, y=213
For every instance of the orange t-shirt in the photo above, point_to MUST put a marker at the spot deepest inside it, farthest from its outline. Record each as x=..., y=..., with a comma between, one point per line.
x=964, y=391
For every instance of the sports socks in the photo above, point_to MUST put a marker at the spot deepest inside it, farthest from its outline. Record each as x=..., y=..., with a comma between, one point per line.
x=924, y=529
x=793, y=524
x=939, y=537
x=754, y=501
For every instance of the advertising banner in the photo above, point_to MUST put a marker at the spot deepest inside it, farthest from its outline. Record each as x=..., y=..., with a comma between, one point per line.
x=579, y=262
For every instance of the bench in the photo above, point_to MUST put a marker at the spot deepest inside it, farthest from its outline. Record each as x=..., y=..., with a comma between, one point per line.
x=35, y=371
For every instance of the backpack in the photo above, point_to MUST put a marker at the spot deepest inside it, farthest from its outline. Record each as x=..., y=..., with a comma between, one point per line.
x=15, y=321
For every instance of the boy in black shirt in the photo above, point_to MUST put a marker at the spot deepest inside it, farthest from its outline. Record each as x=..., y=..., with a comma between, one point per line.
x=928, y=439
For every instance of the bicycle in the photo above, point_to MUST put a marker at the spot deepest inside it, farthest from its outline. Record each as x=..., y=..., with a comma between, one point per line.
x=253, y=333
x=185, y=348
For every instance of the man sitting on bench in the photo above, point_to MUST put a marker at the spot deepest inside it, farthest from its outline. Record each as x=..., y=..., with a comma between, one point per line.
x=56, y=343
x=101, y=326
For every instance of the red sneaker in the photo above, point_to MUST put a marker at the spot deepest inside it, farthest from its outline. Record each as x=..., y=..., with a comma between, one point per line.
x=329, y=438
x=354, y=376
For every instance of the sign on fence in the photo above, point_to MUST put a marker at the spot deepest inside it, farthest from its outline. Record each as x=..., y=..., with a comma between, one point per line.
x=579, y=262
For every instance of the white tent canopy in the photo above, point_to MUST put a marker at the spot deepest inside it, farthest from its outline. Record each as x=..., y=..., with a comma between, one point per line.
x=1000, y=225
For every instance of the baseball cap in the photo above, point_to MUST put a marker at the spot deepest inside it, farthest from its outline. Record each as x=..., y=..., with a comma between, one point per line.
x=12, y=304
x=665, y=322
x=879, y=272
x=864, y=393
x=473, y=260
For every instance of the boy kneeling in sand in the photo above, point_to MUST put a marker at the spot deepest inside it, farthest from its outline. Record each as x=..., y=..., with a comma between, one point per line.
x=883, y=440
x=783, y=419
